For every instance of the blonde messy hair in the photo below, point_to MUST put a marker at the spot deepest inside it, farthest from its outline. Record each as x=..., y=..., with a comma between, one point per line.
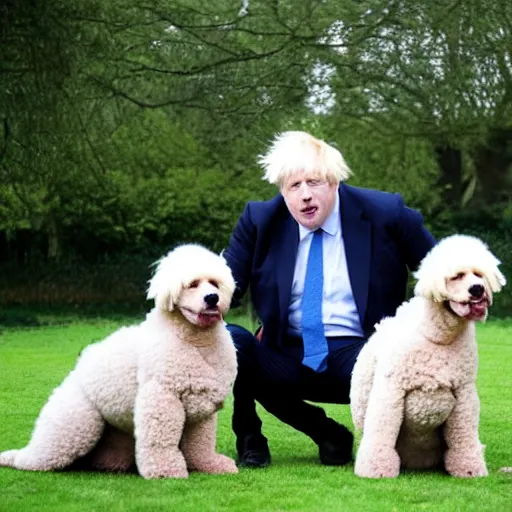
x=293, y=151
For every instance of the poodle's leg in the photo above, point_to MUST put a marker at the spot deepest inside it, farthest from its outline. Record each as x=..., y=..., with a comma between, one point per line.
x=114, y=452
x=377, y=456
x=159, y=419
x=66, y=429
x=198, y=446
x=464, y=456
x=361, y=384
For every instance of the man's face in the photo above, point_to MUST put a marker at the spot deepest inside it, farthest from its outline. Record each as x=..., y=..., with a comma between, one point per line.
x=309, y=198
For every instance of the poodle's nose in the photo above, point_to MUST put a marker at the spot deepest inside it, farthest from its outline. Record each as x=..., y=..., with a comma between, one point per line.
x=211, y=299
x=476, y=290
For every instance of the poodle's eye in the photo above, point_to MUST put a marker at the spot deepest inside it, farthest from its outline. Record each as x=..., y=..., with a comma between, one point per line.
x=460, y=275
x=214, y=283
x=194, y=284
x=478, y=274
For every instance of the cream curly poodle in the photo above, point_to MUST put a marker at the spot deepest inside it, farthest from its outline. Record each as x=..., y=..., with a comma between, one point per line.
x=148, y=394
x=413, y=386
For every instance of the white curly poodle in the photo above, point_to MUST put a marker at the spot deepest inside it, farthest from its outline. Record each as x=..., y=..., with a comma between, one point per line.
x=413, y=386
x=148, y=394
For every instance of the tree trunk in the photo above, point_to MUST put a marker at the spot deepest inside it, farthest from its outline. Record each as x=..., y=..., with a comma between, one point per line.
x=494, y=168
x=450, y=164
x=52, y=233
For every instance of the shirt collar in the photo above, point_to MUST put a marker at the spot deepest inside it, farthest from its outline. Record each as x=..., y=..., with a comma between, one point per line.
x=331, y=225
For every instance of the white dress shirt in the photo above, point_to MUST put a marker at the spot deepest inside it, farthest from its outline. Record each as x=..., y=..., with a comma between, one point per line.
x=339, y=311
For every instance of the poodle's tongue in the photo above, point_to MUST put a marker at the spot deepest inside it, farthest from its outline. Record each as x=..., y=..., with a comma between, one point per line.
x=470, y=310
x=460, y=308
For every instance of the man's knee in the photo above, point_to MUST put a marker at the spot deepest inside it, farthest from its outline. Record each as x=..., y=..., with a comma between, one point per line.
x=245, y=344
x=272, y=370
x=242, y=338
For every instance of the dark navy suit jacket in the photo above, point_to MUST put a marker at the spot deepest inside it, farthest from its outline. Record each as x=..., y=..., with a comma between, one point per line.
x=383, y=239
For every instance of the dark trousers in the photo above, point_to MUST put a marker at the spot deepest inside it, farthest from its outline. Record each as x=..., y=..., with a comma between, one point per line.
x=281, y=384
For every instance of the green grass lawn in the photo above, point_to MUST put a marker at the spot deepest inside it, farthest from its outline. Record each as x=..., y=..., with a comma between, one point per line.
x=34, y=360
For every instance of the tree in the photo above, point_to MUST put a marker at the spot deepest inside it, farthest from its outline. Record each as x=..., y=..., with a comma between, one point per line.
x=104, y=103
x=440, y=73
x=44, y=111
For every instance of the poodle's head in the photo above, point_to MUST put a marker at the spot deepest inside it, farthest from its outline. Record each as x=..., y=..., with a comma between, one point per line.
x=461, y=272
x=196, y=282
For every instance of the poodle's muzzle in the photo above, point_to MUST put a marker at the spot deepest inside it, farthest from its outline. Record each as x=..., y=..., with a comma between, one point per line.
x=468, y=295
x=204, y=313
x=476, y=307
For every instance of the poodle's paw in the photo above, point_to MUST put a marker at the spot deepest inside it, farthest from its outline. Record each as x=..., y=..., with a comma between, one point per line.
x=218, y=464
x=465, y=464
x=164, y=472
x=377, y=462
x=163, y=465
x=468, y=471
x=7, y=458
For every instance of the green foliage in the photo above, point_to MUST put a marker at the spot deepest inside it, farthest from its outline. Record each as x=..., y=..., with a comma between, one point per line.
x=95, y=287
x=392, y=164
x=421, y=70
x=128, y=127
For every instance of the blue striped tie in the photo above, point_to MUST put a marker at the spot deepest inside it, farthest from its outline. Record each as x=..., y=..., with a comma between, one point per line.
x=316, y=349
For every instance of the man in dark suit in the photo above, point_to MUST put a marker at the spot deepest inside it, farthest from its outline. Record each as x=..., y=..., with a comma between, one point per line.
x=324, y=262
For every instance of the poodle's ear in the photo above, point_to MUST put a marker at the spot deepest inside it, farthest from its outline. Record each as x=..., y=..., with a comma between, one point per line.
x=164, y=287
x=163, y=300
x=430, y=287
x=496, y=280
x=431, y=282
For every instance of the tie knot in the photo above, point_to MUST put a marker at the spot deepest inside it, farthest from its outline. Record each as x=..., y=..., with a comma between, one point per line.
x=317, y=238
x=317, y=235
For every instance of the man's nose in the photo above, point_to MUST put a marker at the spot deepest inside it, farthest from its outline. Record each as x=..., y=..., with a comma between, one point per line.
x=305, y=192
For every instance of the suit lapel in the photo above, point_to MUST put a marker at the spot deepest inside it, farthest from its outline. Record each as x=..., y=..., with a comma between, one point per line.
x=357, y=239
x=285, y=256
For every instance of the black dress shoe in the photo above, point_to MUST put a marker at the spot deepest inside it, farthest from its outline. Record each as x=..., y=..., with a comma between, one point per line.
x=336, y=448
x=253, y=452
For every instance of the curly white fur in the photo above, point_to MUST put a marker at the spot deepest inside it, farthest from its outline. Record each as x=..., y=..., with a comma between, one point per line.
x=413, y=386
x=451, y=256
x=148, y=394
